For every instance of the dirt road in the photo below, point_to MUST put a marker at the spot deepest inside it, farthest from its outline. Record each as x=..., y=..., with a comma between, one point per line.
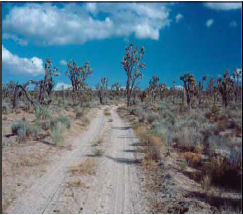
x=113, y=186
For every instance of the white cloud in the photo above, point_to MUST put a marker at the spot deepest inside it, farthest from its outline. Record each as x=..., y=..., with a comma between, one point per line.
x=223, y=6
x=92, y=8
x=178, y=17
x=233, y=24
x=20, y=41
x=63, y=62
x=59, y=86
x=48, y=24
x=21, y=66
x=209, y=23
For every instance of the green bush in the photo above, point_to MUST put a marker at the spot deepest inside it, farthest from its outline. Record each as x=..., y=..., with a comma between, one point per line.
x=42, y=112
x=5, y=108
x=65, y=121
x=56, y=133
x=22, y=129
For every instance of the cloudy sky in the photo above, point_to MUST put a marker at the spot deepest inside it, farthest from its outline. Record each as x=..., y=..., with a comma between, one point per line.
x=200, y=38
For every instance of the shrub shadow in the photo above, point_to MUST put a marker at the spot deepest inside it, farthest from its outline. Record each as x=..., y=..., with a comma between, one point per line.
x=125, y=160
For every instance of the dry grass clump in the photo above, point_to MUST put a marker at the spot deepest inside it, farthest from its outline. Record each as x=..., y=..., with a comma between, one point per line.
x=98, y=141
x=192, y=159
x=153, y=146
x=98, y=152
x=87, y=167
x=79, y=113
x=107, y=112
x=139, y=129
x=77, y=184
x=85, y=121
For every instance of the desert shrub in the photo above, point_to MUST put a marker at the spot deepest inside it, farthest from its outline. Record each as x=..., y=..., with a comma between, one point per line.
x=162, y=106
x=86, y=121
x=56, y=133
x=5, y=107
x=46, y=124
x=167, y=115
x=22, y=129
x=42, y=112
x=38, y=126
x=223, y=171
x=65, y=121
x=163, y=130
x=31, y=110
x=143, y=117
x=218, y=142
x=192, y=159
x=188, y=138
x=79, y=112
x=152, y=117
x=152, y=145
x=137, y=111
x=86, y=104
x=107, y=112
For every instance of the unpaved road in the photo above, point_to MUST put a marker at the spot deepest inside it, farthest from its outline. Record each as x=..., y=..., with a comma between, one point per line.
x=115, y=187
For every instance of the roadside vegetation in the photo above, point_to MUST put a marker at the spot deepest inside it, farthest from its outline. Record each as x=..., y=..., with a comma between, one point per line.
x=204, y=133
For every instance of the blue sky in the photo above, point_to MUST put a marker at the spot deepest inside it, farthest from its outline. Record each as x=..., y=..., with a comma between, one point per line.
x=200, y=38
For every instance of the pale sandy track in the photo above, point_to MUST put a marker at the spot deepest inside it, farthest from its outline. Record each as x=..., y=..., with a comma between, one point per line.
x=115, y=188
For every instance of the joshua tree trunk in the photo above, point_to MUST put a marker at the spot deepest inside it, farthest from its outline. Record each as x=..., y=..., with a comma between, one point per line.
x=16, y=97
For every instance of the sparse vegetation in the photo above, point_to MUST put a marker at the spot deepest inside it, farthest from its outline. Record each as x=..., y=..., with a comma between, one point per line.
x=23, y=130
x=56, y=133
x=87, y=167
x=196, y=128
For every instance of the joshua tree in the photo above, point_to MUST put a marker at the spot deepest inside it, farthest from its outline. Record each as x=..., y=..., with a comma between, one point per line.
x=173, y=92
x=99, y=91
x=201, y=87
x=132, y=65
x=8, y=88
x=45, y=87
x=226, y=88
x=135, y=94
x=142, y=96
x=116, y=89
x=236, y=75
x=78, y=75
x=102, y=89
x=153, y=87
x=162, y=91
x=190, y=87
x=104, y=86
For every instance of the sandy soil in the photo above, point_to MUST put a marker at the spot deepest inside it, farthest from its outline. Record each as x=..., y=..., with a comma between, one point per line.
x=98, y=174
